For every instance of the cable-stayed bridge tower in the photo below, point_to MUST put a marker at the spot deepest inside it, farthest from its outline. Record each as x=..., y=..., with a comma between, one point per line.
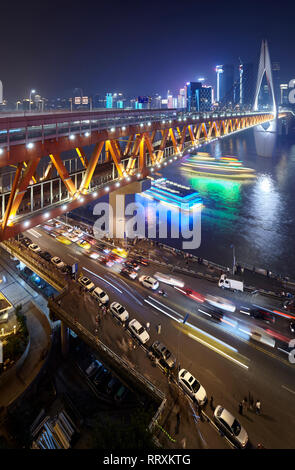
x=264, y=68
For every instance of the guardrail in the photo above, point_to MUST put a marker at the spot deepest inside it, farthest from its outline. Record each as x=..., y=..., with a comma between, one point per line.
x=49, y=273
x=104, y=350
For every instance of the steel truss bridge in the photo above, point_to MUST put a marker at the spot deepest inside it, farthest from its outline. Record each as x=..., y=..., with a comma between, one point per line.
x=40, y=178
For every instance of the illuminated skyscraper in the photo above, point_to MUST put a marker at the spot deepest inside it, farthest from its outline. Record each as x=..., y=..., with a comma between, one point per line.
x=1, y=92
x=109, y=100
x=219, y=71
x=284, y=100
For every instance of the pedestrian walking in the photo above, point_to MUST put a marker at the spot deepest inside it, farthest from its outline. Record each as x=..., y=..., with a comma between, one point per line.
x=211, y=403
x=159, y=328
x=241, y=408
x=148, y=325
x=257, y=407
x=245, y=403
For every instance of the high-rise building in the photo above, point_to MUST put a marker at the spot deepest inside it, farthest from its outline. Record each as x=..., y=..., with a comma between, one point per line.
x=206, y=95
x=225, y=84
x=276, y=72
x=193, y=96
x=199, y=97
x=284, y=98
x=1, y=92
x=169, y=100
x=109, y=100
x=219, y=71
x=246, y=86
x=182, y=97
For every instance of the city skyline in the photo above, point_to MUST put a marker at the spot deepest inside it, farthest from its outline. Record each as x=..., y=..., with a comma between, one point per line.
x=90, y=46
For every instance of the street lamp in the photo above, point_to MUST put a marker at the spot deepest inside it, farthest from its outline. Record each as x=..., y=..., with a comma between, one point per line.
x=31, y=93
x=234, y=258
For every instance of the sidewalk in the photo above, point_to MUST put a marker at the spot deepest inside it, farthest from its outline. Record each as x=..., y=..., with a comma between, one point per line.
x=34, y=306
x=39, y=347
x=191, y=266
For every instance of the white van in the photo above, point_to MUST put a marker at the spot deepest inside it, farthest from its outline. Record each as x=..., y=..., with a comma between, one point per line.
x=226, y=283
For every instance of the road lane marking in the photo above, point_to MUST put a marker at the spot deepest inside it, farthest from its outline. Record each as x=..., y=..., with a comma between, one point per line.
x=133, y=296
x=161, y=310
x=205, y=313
x=289, y=389
x=34, y=233
x=243, y=311
x=166, y=306
x=104, y=280
x=210, y=346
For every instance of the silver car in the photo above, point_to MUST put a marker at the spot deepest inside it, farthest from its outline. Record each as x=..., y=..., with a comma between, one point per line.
x=230, y=426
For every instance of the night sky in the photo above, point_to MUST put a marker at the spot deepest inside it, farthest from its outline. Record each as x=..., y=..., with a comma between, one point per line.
x=137, y=47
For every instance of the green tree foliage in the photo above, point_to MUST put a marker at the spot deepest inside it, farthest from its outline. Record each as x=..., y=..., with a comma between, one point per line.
x=131, y=434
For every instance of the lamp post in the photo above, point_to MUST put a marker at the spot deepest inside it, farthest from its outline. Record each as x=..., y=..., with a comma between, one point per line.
x=31, y=93
x=178, y=354
x=234, y=258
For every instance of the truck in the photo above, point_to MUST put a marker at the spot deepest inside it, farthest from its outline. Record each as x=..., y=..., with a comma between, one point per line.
x=231, y=284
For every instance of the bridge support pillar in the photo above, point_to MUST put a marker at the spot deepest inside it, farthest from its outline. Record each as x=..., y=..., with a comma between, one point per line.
x=117, y=203
x=65, y=342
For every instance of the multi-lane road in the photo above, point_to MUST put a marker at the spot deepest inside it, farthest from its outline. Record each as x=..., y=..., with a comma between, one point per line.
x=222, y=355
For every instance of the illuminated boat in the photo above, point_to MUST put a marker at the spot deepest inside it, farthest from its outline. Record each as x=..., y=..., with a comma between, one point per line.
x=223, y=167
x=173, y=194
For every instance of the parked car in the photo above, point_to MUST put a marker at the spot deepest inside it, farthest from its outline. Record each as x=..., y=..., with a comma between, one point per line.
x=113, y=385
x=45, y=255
x=101, y=376
x=34, y=247
x=130, y=273
x=119, y=311
x=100, y=295
x=139, y=331
x=121, y=394
x=57, y=262
x=67, y=269
x=149, y=282
x=230, y=426
x=93, y=368
x=165, y=356
x=191, y=386
x=86, y=282
x=26, y=241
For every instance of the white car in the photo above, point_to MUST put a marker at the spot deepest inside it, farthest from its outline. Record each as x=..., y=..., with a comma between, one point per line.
x=100, y=295
x=167, y=279
x=149, y=282
x=221, y=303
x=119, y=311
x=57, y=262
x=139, y=331
x=85, y=282
x=190, y=385
x=230, y=426
x=34, y=247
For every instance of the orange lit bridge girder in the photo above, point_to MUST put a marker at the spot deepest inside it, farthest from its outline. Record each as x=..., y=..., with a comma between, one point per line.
x=176, y=133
